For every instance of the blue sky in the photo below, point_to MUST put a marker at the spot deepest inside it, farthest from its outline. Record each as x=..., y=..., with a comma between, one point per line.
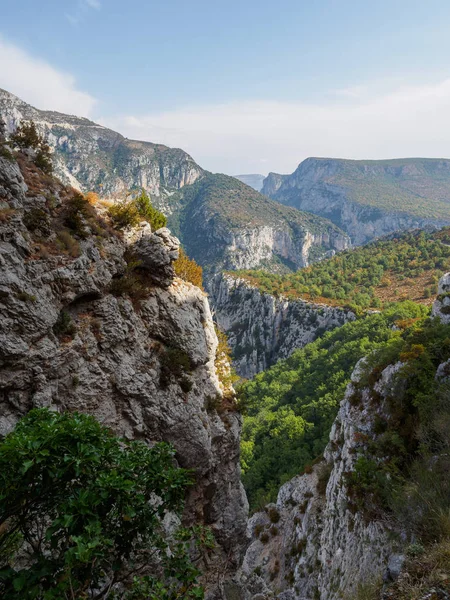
x=247, y=86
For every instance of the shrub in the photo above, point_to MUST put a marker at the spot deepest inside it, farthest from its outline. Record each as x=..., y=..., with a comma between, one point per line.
x=69, y=243
x=27, y=136
x=130, y=212
x=36, y=218
x=186, y=268
x=124, y=213
x=177, y=363
x=148, y=212
x=64, y=325
x=82, y=510
x=274, y=515
x=77, y=211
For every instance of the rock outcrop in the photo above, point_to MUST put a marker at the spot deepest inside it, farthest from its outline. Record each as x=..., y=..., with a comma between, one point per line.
x=74, y=335
x=368, y=199
x=441, y=306
x=261, y=329
x=91, y=157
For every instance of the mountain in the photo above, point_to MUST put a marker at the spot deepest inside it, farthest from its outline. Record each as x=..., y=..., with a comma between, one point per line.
x=255, y=181
x=91, y=157
x=94, y=321
x=262, y=328
x=225, y=224
x=368, y=198
x=221, y=221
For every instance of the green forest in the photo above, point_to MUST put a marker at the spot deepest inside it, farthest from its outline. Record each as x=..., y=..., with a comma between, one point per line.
x=402, y=266
x=290, y=407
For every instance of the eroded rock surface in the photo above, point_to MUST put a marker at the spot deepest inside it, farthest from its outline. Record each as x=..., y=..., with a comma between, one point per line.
x=261, y=329
x=144, y=366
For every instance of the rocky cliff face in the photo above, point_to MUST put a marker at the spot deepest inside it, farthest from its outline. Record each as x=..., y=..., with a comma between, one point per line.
x=225, y=224
x=262, y=329
x=322, y=548
x=80, y=331
x=319, y=542
x=368, y=199
x=93, y=158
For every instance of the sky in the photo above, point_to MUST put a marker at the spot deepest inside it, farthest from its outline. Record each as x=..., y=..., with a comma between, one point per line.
x=247, y=86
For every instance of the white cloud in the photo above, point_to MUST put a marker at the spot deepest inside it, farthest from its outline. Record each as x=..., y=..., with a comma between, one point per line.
x=251, y=136
x=40, y=84
x=94, y=4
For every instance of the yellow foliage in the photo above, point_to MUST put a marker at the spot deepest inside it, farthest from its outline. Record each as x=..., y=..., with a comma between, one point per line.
x=92, y=198
x=186, y=268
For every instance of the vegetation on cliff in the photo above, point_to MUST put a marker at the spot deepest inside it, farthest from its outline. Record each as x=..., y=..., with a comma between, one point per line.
x=402, y=266
x=130, y=211
x=82, y=514
x=290, y=407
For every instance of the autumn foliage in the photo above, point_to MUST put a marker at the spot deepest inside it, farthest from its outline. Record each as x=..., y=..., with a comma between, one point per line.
x=186, y=268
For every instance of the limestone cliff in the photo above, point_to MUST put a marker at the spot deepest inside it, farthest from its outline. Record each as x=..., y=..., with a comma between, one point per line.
x=262, y=329
x=225, y=224
x=368, y=199
x=91, y=157
x=81, y=329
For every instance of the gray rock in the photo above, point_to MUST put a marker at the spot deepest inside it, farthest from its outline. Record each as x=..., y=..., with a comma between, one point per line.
x=117, y=361
x=261, y=329
x=394, y=567
x=441, y=306
x=156, y=253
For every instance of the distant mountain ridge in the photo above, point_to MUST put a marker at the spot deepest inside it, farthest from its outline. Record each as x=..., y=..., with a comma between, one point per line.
x=368, y=198
x=225, y=224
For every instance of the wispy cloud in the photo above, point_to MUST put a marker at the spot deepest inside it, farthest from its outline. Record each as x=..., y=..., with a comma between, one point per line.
x=40, y=84
x=237, y=137
x=81, y=9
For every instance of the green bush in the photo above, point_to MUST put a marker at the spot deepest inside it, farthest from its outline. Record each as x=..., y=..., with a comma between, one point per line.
x=148, y=212
x=27, y=136
x=81, y=511
x=130, y=212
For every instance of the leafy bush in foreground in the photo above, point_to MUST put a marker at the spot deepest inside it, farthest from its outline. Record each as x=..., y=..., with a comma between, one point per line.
x=81, y=511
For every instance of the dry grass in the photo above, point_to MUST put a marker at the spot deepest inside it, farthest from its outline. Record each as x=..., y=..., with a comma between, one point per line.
x=430, y=570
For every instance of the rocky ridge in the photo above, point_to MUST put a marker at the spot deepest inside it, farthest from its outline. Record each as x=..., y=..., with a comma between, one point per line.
x=91, y=157
x=262, y=329
x=368, y=199
x=224, y=224
x=315, y=542
x=75, y=336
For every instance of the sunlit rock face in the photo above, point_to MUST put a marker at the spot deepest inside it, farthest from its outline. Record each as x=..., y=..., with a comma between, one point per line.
x=69, y=342
x=261, y=329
